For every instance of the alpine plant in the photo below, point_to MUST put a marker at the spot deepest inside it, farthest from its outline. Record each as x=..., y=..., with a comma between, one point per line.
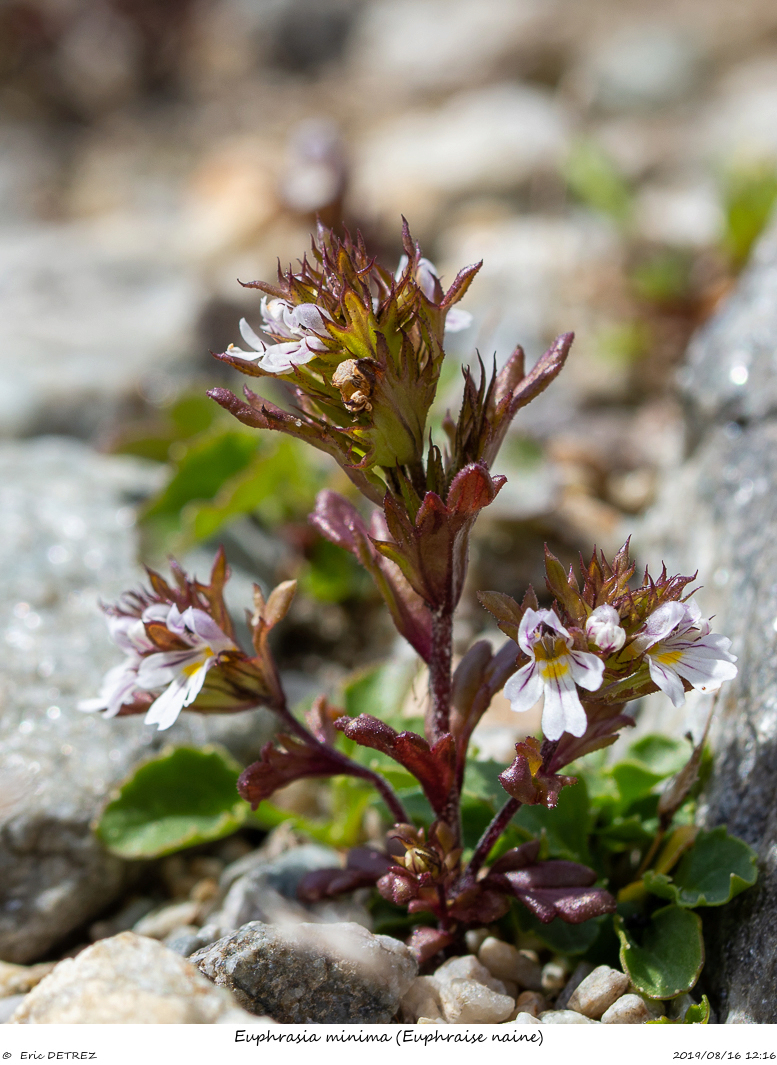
x=359, y=348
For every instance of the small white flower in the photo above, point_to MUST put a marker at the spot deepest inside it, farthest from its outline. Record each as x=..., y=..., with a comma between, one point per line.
x=303, y=327
x=679, y=646
x=427, y=279
x=604, y=629
x=183, y=672
x=554, y=672
x=121, y=682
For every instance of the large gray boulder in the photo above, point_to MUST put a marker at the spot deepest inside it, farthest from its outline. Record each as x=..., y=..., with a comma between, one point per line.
x=66, y=541
x=718, y=513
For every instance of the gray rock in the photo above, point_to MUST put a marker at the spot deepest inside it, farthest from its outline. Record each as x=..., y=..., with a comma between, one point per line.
x=641, y=68
x=127, y=980
x=443, y=44
x=719, y=513
x=66, y=540
x=87, y=319
x=486, y=140
x=312, y=973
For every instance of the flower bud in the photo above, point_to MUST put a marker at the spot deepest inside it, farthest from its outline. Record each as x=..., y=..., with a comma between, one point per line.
x=604, y=630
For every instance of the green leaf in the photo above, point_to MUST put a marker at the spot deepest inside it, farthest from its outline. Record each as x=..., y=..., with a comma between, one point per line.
x=202, y=470
x=660, y=753
x=184, y=797
x=566, y=827
x=278, y=483
x=634, y=781
x=711, y=873
x=480, y=781
x=670, y=957
x=561, y=937
x=698, y=1013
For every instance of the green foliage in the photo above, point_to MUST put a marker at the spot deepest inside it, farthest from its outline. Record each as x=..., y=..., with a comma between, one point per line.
x=711, y=873
x=668, y=958
x=332, y=575
x=180, y=799
x=663, y=277
x=749, y=194
x=191, y=414
x=566, y=828
x=594, y=180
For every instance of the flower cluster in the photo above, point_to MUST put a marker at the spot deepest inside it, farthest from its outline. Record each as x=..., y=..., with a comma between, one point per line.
x=631, y=641
x=180, y=650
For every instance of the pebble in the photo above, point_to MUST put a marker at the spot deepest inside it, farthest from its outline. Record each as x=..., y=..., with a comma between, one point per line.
x=554, y=977
x=506, y=962
x=474, y=938
x=19, y=979
x=628, y=1009
x=468, y=967
x=564, y=1017
x=524, y=1018
x=312, y=973
x=422, y=999
x=532, y=1002
x=127, y=979
x=472, y=1002
x=161, y=923
x=8, y=1007
x=598, y=991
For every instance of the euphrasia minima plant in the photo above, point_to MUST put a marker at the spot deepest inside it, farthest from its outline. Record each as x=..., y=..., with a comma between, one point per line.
x=360, y=349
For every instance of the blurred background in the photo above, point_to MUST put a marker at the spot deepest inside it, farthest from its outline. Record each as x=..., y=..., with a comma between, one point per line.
x=611, y=164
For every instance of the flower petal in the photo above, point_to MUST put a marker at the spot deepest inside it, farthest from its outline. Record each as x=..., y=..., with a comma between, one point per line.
x=524, y=688
x=660, y=623
x=250, y=337
x=587, y=669
x=165, y=710
x=667, y=680
x=456, y=320
x=563, y=711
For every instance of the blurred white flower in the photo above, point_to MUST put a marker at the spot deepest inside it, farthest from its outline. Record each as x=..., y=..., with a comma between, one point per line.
x=428, y=280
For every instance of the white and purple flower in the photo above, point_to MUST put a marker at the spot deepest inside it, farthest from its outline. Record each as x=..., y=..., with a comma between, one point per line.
x=182, y=673
x=554, y=672
x=177, y=675
x=679, y=646
x=303, y=327
x=427, y=279
x=120, y=683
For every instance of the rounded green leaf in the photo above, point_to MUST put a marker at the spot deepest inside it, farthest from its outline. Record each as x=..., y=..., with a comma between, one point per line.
x=670, y=957
x=184, y=797
x=716, y=868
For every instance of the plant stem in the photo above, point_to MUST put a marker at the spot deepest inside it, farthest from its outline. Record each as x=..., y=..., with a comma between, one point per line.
x=349, y=767
x=440, y=672
x=490, y=836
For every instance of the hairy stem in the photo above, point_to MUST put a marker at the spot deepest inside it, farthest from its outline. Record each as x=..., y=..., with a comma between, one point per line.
x=490, y=836
x=440, y=673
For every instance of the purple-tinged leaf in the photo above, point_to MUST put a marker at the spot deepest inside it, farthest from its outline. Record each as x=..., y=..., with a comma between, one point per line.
x=556, y=889
x=364, y=867
x=433, y=767
x=527, y=781
x=281, y=765
x=517, y=857
x=340, y=522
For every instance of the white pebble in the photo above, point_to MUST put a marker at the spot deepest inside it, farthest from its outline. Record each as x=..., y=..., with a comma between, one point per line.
x=629, y=1009
x=505, y=962
x=564, y=1017
x=471, y=1002
x=468, y=968
x=598, y=991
